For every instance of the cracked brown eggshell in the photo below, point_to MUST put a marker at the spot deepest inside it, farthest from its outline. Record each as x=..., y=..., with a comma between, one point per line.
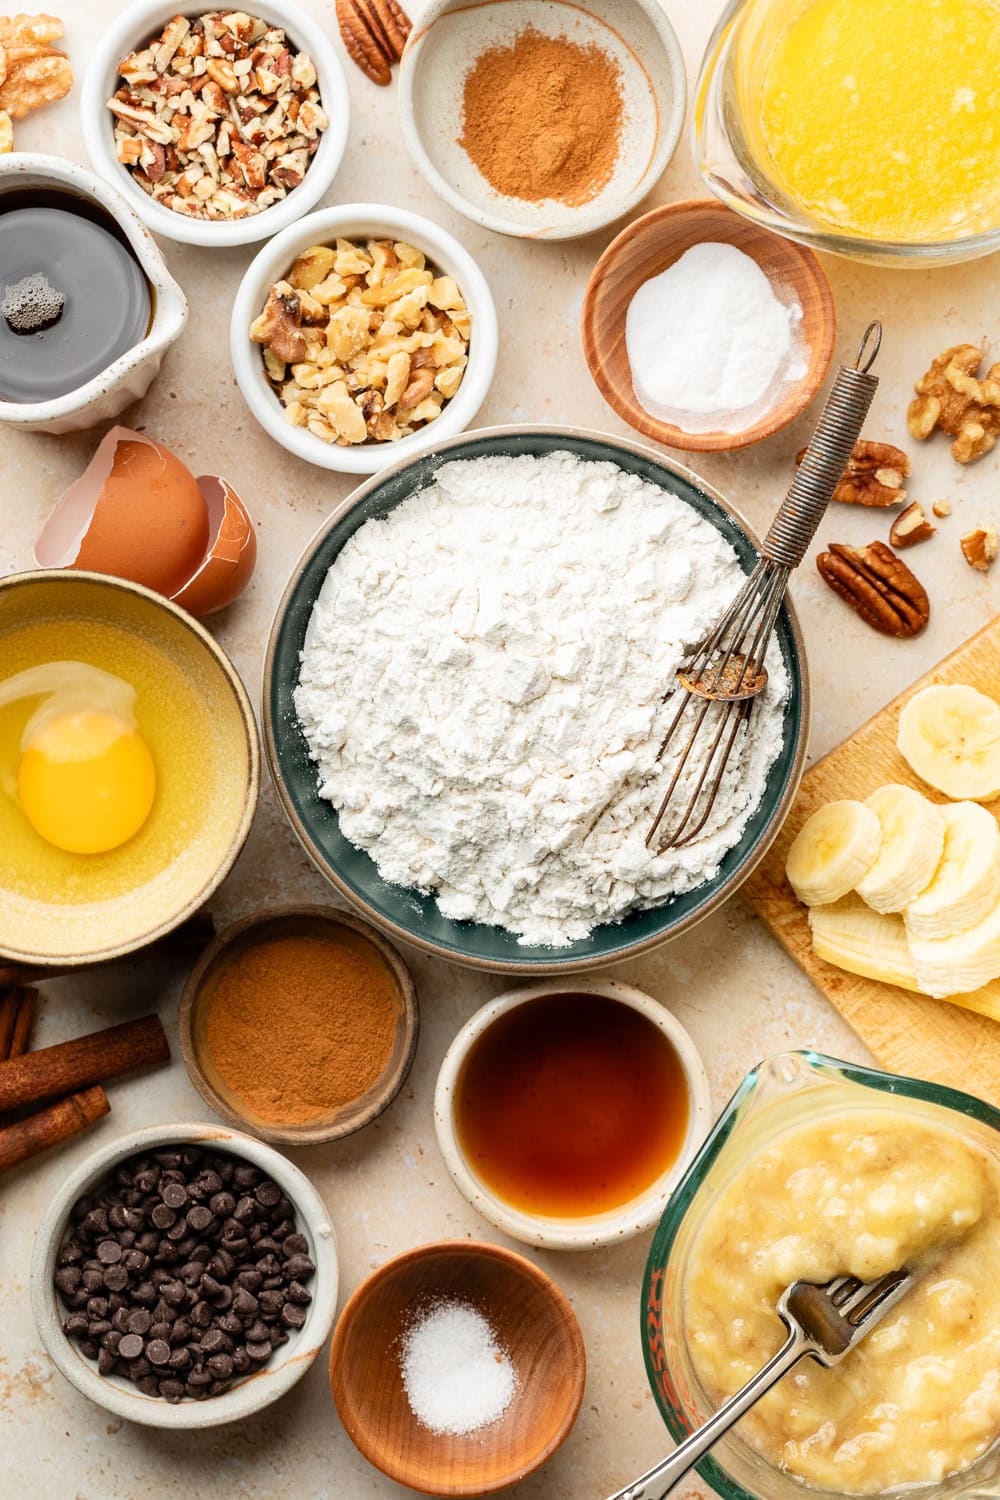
x=138, y=512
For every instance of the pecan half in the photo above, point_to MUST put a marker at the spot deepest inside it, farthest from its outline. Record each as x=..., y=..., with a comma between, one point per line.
x=911, y=526
x=878, y=586
x=873, y=475
x=362, y=41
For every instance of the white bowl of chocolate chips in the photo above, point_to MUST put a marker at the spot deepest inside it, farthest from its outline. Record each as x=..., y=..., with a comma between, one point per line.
x=179, y=1265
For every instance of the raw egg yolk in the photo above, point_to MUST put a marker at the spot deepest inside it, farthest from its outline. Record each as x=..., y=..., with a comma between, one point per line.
x=86, y=782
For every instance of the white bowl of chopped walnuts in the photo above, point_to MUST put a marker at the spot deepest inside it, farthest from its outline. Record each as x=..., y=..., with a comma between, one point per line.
x=220, y=127
x=362, y=336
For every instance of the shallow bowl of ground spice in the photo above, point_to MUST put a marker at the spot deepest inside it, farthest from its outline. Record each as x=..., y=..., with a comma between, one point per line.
x=299, y=1024
x=542, y=118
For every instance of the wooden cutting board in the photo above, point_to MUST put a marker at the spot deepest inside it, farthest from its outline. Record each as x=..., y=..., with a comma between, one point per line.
x=907, y=1033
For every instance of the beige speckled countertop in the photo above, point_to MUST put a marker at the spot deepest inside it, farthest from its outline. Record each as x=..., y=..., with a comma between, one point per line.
x=728, y=981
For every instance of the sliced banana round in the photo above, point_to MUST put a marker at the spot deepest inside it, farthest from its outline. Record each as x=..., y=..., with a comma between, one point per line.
x=852, y=936
x=832, y=851
x=950, y=736
x=960, y=964
x=966, y=885
x=910, y=851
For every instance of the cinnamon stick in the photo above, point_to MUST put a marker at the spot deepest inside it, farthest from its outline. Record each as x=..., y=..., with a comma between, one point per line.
x=25, y=1020
x=10, y=1001
x=49, y=1126
x=81, y=1062
x=196, y=932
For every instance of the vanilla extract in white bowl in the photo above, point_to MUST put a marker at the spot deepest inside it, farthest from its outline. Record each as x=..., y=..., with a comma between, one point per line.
x=73, y=298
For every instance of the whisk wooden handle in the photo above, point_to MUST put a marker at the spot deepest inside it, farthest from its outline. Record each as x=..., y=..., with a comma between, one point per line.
x=818, y=474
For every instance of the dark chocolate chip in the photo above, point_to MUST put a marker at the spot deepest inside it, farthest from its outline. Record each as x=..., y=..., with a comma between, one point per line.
x=115, y=1278
x=296, y=1292
x=158, y=1351
x=105, y=1361
x=139, y=1321
x=292, y=1315
x=222, y=1204
x=268, y=1193
x=299, y=1268
x=221, y=1366
x=259, y=1352
x=149, y=1385
x=171, y=1390
x=179, y=1359
x=109, y=1252
x=174, y=1194
x=199, y=1217
x=76, y=1326
x=296, y=1244
x=131, y=1346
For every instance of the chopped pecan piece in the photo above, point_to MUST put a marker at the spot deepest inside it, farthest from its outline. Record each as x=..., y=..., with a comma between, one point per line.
x=950, y=396
x=979, y=548
x=878, y=586
x=941, y=508
x=911, y=526
x=873, y=475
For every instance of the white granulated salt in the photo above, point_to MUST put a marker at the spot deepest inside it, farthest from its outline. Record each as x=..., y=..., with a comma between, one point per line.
x=482, y=690
x=455, y=1374
x=709, y=344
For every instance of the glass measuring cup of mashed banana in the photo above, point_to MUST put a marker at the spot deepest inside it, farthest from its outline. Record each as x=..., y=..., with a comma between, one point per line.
x=817, y=1176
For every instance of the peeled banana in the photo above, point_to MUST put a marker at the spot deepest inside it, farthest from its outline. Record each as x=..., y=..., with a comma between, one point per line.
x=950, y=736
x=832, y=851
x=852, y=936
x=966, y=885
x=957, y=965
x=910, y=851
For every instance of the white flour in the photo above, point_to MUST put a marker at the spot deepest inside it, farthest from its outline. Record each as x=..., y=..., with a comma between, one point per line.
x=482, y=684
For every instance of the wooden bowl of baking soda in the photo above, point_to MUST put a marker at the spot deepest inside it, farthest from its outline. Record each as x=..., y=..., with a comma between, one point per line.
x=704, y=331
x=299, y=1024
x=458, y=1368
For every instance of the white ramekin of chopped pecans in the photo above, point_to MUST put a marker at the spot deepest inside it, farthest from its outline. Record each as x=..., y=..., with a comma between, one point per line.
x=220, y=126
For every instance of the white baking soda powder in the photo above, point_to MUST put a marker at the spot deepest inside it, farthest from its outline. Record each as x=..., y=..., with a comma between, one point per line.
x=455, y=1374
x=709, y=344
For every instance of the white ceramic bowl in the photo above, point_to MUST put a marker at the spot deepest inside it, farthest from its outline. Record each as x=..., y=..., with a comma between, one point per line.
x=133, y=28
x=363, y=221
x=616, y=1224
x=256, y=1390
x=451, y=34
x=128, y=377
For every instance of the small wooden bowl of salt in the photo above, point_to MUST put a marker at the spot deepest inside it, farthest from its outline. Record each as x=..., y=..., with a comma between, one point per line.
x=458, y=1368
x=704, y=331
x=299, y=1024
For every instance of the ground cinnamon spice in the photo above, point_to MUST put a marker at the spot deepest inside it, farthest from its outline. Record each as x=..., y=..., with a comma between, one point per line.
x=301, y=1024
x=542, y=118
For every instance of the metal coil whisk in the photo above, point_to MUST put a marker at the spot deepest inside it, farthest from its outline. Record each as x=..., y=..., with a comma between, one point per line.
x=717, y=685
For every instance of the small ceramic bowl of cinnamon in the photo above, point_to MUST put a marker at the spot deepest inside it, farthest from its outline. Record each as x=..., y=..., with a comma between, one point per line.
x=544, y=119
x=299, y=1024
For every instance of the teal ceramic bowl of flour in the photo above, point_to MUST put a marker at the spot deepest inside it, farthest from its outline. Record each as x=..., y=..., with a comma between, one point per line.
x=420, y=753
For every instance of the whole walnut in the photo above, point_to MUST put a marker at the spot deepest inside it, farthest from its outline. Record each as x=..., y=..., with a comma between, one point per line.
x=950, y=396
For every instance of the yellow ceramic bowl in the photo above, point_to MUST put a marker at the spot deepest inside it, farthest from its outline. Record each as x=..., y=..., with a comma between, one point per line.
x=67, y=915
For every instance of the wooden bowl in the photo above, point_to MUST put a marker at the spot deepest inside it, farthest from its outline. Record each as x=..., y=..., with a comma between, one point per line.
x=196, y=1003
x=533, y=1322
x=654, y=242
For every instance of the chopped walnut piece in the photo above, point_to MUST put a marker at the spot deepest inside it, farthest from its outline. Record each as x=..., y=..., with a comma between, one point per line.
x=353, y=349
x=950, y=396
x=873, y=475
x=279, y=326
x=911, y=526
x=979, y=547
x=240, y=111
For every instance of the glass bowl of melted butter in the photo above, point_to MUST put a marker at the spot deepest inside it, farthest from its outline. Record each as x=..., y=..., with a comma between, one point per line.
x=814, y=1169
x=862, y=127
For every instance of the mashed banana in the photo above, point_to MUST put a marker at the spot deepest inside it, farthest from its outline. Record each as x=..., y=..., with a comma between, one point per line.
x=859, y=1194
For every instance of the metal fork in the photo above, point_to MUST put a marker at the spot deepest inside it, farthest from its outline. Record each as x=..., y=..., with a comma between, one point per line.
x=823, y=1322
x=725, y=672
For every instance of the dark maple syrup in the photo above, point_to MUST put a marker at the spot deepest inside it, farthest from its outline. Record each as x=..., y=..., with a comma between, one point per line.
x=570, y=1105
x=73, y=296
